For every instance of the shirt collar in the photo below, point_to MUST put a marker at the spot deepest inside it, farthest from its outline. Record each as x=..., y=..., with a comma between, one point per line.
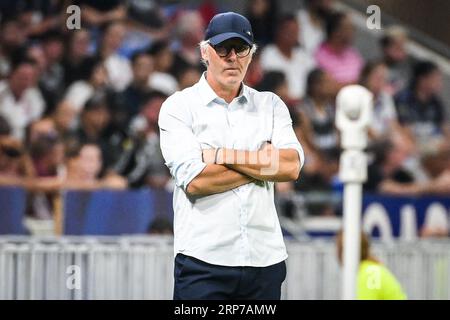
x=243, y=94
x=207, y=93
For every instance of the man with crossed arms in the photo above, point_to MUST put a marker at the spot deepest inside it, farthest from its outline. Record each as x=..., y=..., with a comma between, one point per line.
x=225, y=145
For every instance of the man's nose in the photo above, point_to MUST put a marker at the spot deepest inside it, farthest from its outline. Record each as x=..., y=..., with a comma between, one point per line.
x=232, y=55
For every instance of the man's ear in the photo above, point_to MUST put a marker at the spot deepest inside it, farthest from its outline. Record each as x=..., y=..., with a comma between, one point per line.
x=205, y=55
x=203, y=52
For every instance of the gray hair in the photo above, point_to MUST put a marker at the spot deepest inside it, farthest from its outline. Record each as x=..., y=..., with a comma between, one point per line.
x=205, y=43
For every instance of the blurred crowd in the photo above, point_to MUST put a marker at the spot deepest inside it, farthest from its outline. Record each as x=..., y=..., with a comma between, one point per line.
x=79, y=108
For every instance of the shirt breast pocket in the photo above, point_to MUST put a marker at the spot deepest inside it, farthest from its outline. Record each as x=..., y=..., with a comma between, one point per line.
x=208, y=133
x=257, y=130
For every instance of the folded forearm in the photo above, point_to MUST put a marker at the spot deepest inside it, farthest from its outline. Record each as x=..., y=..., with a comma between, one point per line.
x=278, y=165
x=216, y=179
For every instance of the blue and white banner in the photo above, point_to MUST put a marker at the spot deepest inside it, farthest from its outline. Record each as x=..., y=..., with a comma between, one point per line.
x=404, y=217
x=391, y=217
x=130, y=212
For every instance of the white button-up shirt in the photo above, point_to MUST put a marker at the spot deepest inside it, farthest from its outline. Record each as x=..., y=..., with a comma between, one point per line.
x=20, y=113
x=239, y=227
x=295, y=69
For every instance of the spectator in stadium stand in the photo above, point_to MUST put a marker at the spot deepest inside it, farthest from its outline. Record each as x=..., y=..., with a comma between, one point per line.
x=400, y=64
x=374, y=280
x=21, y=102
x=141, y=162
x=275, y=81
x=95, y=127
x=314, y=125
x=385, y=122
x=47, y=153
x=77, y=61
x=146, y=22
x=79, y=92
x=5, y=128
x=65, y=119
x=46, y=150
x=336, y=55
x=97, y=13
x=129, y=101
x=189, y=32
x=387, y=173
x=83, y=169
x=12, y=41
x=263, y=15
x=384, y=116
x=287, y=56
x=188, y=77
x=163, y=58
x=36, y=17
x=45, y=146
x=118, y=67
x=36, y=52
x=317, y=174
x=317, y=114
x=43, y=127
x=255, y=72
x=321, y=164
x=15, y=163
x=312, y=20
x=421, y=111
x=51, y=79
x=208, y=9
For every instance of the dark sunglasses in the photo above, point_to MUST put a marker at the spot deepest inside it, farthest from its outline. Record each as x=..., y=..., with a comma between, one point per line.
x=224, y=49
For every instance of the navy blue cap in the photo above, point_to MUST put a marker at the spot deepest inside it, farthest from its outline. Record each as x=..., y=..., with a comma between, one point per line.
x=224, y=26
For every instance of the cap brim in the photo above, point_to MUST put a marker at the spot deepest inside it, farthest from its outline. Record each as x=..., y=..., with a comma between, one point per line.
x=225, y=36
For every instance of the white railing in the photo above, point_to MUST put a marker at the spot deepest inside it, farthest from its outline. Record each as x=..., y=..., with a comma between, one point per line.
x=142, y=268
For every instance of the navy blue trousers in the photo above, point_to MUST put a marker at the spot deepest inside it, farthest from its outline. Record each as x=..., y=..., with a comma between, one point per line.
x=195, y=279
